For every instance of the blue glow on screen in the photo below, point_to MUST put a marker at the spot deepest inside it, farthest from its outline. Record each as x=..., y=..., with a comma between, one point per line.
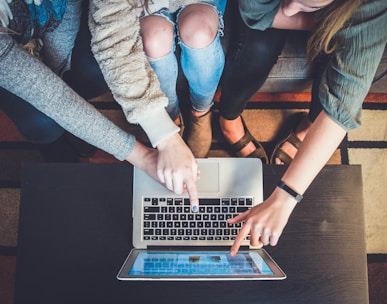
x=198, y=263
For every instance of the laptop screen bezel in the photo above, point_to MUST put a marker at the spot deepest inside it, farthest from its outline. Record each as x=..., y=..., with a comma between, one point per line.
x=124, y=273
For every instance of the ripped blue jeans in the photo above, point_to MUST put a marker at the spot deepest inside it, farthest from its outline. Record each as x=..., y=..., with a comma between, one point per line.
x=202, y=67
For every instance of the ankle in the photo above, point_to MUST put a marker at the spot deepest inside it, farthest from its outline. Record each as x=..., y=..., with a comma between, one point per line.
x=177, y=121
x=232, y=129
x=303, y=128
x=199, y=114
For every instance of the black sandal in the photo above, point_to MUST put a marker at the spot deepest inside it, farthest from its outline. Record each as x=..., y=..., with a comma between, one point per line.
x=259, y=152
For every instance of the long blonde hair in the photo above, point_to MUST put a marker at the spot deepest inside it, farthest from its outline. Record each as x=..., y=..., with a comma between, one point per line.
x=329, y=20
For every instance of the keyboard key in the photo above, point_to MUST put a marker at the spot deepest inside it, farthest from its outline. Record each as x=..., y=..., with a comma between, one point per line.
x=149, y=217
x=148, y=231
x=242, y=209
x=209, y=202
x=171, y=219
x=148, y=209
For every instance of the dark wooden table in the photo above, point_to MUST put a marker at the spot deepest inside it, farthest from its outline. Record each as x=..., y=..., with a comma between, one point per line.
x=75, y=232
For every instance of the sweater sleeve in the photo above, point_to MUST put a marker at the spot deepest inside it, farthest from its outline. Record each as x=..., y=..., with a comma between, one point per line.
x=117, y=46
x=28, y=78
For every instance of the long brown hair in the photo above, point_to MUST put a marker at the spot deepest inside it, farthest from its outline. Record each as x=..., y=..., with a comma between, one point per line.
x=329, y=20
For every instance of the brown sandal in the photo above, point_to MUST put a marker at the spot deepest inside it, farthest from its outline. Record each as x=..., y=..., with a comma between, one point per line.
x=259, y=152
x=290, y=138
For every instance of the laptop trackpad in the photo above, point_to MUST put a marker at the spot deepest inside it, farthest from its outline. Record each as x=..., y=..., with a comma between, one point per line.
x=209, y=178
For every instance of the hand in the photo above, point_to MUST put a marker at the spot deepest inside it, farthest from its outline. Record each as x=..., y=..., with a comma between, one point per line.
x=265, y=222
x=144, y=158
x=177, y=168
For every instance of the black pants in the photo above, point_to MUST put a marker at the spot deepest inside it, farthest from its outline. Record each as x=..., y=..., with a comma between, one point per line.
x=250, y=58
x=251, y=54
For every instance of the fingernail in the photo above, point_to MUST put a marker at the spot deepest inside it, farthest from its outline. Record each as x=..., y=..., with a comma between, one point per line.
x=195, y=208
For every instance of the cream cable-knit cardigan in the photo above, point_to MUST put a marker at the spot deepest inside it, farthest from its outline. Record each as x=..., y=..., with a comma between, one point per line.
x=117, y=46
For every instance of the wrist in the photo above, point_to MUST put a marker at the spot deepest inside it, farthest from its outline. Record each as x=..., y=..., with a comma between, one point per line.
x=139, y=154
x=282, y=200
x=291, y=192
x=158, y=126
x=172, y=140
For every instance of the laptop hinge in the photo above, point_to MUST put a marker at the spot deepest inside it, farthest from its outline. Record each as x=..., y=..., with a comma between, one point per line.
x=194, y=248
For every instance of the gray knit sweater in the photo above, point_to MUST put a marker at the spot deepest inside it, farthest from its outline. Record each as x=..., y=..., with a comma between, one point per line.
x=30, y=79
x=118, y=48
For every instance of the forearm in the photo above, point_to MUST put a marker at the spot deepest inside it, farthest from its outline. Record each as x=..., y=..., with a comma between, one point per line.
x=28, y=78
x=265, y=222
x=144, y=158
x=117, y=46
x=321, y=141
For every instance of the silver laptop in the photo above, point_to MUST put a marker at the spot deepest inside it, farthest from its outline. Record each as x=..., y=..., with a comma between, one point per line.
x=173, y=243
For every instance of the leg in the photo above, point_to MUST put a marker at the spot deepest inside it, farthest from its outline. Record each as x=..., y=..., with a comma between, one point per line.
x=202, y=56
x=59, y=43
x=68, y=47
x=38, y=128
x=35, y=126
x=250, y=59
x=158, y=37
x=85, y=76
x=202, y=61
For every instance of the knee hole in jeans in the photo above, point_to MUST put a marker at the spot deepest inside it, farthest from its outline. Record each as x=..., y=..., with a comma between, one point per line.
x=198, y=25
x=157, y=35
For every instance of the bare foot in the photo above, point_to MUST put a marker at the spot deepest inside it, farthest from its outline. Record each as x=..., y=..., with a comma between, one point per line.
x=301, y=131
x=233, y=131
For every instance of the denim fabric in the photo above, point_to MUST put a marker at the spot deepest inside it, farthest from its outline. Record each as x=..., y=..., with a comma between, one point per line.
x=166, y=69
x=202, y=67
x=35, y=126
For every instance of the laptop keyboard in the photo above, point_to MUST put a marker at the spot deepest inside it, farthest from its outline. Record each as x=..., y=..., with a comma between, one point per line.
x=171, y=219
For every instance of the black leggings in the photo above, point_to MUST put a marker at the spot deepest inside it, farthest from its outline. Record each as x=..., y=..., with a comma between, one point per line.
x=250, y=58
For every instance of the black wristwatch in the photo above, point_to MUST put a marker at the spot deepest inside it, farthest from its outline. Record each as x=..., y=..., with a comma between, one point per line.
x=298, y=197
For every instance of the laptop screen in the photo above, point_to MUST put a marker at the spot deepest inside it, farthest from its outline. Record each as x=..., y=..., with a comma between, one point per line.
x=199, y=263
